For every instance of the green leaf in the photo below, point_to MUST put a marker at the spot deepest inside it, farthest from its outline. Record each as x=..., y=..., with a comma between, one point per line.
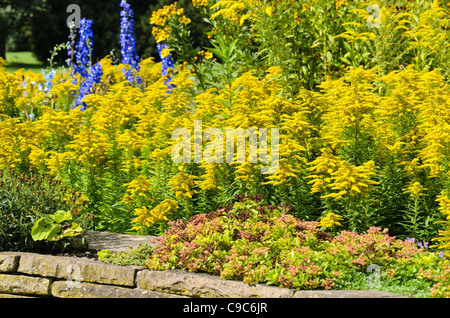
x=344, y=59
x=61, y=216
x=44, y=230
x=74, y=230
x=329, y=56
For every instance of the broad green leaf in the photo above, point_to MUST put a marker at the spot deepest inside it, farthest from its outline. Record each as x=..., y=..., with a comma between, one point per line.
x=74, y=230
x=44, y=230
x=61, y=216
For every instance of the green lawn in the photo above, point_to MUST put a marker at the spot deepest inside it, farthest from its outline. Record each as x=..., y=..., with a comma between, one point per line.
x=18, y=60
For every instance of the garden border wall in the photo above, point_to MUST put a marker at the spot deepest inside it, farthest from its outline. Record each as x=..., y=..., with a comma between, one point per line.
x=38, y=275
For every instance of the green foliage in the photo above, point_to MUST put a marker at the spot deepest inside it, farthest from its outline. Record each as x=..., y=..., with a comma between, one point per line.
x=54, y=227
x=134, y=256
x=313, y=40
x=27, y=205
x=265, y=244
x=411, y=287
x=262, y=55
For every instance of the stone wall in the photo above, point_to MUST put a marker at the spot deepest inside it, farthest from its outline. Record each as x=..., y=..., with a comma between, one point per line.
x=36, y=275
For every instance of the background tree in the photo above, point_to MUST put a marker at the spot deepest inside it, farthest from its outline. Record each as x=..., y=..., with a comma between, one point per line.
x=13, y=13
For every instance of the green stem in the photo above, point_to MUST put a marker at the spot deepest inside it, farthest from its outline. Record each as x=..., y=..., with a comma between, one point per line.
x=416, y=211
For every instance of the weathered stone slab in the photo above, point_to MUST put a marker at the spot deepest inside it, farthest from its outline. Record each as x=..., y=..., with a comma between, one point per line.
x=15, y=296
x=116, y=242
x=205, y=285
x=8, y=262
x=18, y=284
x=63, y=289
x=208, y=286
x=77, y=269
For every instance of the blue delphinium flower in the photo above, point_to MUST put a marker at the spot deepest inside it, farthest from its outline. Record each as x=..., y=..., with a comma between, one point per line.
x=83, y=49
x=24, y=86
x=94, y=76
x=48, y=77
x=166, y=63
x=128, y=42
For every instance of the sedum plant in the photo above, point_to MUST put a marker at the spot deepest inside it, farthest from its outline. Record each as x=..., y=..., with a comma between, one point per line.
x=257, y=243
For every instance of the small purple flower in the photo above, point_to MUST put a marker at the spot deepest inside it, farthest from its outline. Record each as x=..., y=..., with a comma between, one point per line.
x=420, y=245
x=411, y=239
x=441, y=254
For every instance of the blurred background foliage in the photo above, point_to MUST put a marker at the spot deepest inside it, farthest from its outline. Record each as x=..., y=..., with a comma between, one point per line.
x=39, y=25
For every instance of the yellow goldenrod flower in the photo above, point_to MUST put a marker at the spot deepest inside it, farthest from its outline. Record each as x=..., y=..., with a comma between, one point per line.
x=330, y=220
x=444, y=235
x=182, y=183
x=146, y=217
x=340, y=3
x=269, y=10
x=415, y=189
x=138, y=191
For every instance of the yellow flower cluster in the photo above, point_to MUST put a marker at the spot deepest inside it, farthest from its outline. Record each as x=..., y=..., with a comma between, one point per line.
x=431, y=33
x=138, y=190
x=145, y=217
x=16, y=141
x=160, y=18
x=338, y=139
x=90, y=147
x=207, y=55
x=229, y=10
x=415, y=190
x=340, y=3
x=200, y=3
x=330, y=220
x=11, y=94
x=444, y=235
x=183, y=183
x=210, y=179
x=339, y=178
x=297, y=18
